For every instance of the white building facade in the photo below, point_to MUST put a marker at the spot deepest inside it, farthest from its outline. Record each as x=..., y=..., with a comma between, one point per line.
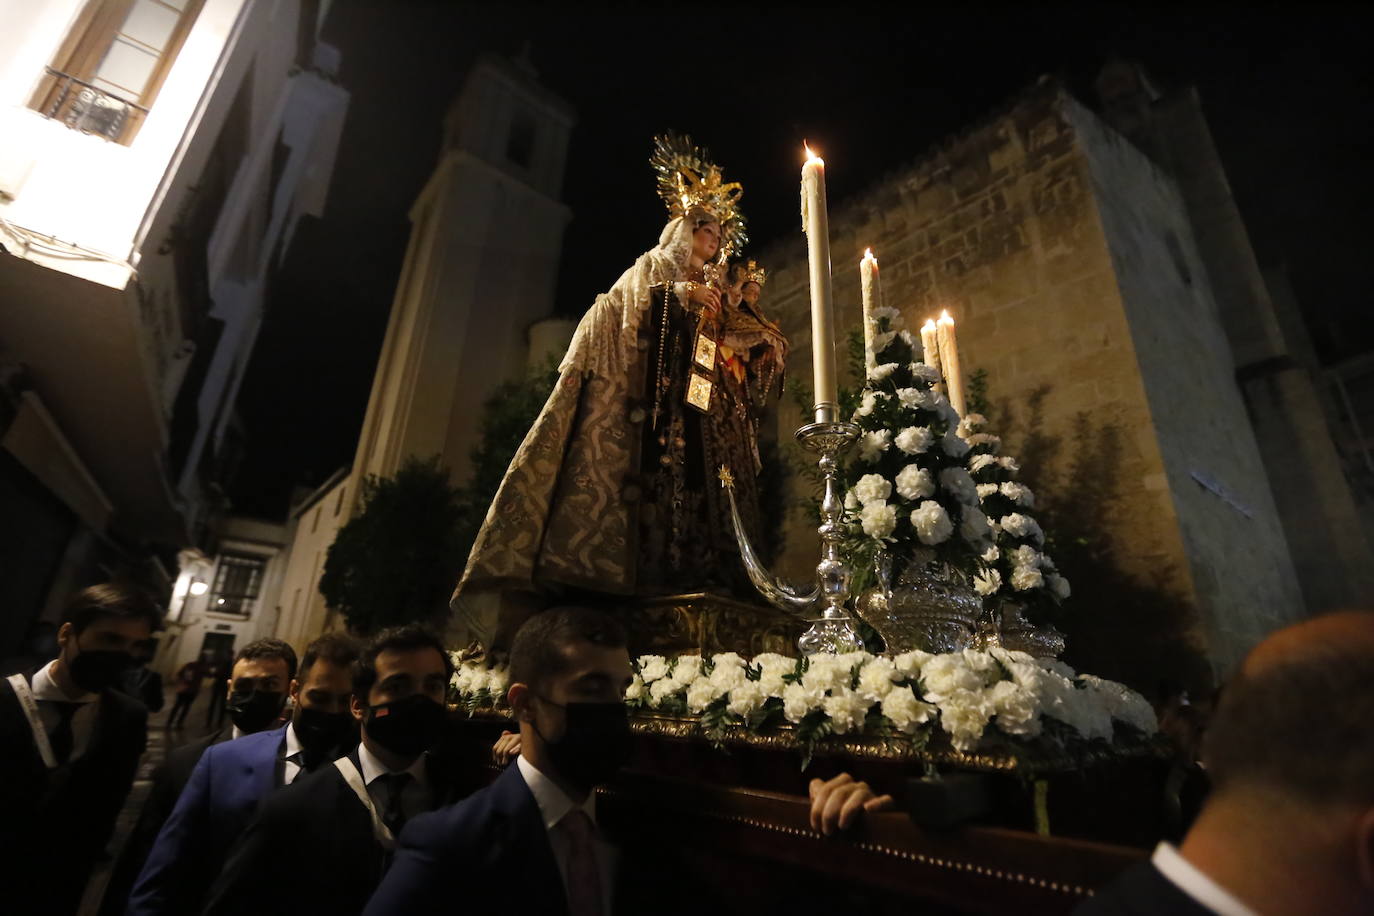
x=157, y=156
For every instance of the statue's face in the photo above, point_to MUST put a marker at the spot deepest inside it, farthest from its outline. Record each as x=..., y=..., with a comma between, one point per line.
x=706, y=241
x=751, y=292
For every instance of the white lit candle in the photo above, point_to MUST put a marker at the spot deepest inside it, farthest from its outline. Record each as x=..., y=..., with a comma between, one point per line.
x=816, y=225
x=949, y=358
x=868, y=280
x=930, y=347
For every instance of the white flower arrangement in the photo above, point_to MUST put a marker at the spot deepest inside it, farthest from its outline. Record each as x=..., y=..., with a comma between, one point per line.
x=972, y=697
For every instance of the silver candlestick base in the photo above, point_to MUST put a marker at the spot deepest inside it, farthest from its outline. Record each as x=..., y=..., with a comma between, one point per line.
x=834, y=630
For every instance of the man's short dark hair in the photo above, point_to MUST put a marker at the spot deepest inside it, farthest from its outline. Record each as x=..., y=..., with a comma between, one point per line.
x=269, y=648
x=1300, y=727
x=112, y=600
x=537, y=653
x=335, y=648
x=398, y=639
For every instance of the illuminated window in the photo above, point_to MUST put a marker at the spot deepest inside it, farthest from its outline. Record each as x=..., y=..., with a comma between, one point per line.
x=237, y=583
x=109, y=69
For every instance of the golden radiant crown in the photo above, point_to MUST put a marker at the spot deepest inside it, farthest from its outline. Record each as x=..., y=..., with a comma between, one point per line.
x=688, y=180
x=751, y=272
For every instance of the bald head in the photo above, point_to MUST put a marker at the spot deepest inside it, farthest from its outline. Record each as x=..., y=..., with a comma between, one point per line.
x=1298, y=718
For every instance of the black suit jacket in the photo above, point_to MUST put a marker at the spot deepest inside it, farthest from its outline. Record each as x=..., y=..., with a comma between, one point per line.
x=55, y=823
x=168, y=781
x=487, y=854
x=1141, y=890
x=310, y=849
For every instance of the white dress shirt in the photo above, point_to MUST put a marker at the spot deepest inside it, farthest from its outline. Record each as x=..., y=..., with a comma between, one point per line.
x=44, y=688
x=292, y=753
x=1188, y=878
x=415, y=796
x=553, y=805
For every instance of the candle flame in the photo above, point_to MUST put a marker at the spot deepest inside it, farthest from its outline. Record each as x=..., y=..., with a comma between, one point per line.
x=868, y=255
x=810, y=156
x=944, y=317
x=929, y=325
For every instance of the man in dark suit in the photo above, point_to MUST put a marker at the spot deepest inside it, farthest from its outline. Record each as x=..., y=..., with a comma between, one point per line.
x=322, y=824
x=256, y=691
x=230, y=779
x=71, y=744
x=528, y=843
x=1288, y=827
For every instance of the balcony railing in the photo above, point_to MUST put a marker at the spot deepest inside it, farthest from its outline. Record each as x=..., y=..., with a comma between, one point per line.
x=88, y=108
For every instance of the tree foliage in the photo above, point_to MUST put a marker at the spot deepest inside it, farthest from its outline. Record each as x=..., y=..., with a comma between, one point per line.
x=395, y=561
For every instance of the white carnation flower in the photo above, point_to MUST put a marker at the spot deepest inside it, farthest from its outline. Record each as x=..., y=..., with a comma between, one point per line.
x=971, y=424
x=964, y=715
x=947, y=673
x=1025, y=555
x=992, y=554
x=953, y=444
x=771, y=683
x=652, y=667
x=881, y=340
x=1016, y=708
x=986, y=489
x=846, y=710
x=1025, y=578
x=871, y=488
x=905, y=711
x=729, y=671
x=746, y=699
x=985, y=440
x=909, y=664
x=1022, y=526
x=913, y=482
x=701, y=694
x=895, y=321
x=462, y=678
x=973, y=525
x=873, y=444
x=1019, y=493
x=979, y=463
x=661, y=690
x=687, y=669
x=878, y=519
x=915, y=439
x=916, y=398
x=865, y=408
x=636, y=689
x=1009, y=464
x=1059, y=586
x=876, y=677
x=773, y=663
x=881, y=372
x=987, y=582
x=827, y=672
x=957, y=482
x=498, y=681
x=798, y=700
x=932, y=523
x=925, y=373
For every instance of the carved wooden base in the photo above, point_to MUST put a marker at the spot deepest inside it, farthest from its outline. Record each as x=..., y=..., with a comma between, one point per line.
x=707, y=623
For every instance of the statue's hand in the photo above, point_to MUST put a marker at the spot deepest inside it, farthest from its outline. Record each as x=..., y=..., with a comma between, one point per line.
x=506, y=748
x=837, y=803
x=705, y=296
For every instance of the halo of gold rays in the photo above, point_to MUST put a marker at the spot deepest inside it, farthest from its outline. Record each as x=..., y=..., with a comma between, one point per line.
x=687, y=179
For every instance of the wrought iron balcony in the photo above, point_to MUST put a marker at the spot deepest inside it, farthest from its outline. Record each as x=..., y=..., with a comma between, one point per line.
x=87, y=108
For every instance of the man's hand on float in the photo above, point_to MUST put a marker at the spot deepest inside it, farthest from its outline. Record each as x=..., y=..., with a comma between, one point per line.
x=837, y=803
x=506, y=748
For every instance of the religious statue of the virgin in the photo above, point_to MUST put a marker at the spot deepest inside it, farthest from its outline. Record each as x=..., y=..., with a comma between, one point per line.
x=614, y=490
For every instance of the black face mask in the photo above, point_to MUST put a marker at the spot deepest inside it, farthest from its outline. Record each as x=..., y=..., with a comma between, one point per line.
x=95, y=669
x=323, y=735
x=595, y=742
x=406, y=727
x=253, y=711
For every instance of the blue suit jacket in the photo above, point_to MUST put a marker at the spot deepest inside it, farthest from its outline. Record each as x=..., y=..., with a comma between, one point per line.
x=487, y=853
x=217, y=804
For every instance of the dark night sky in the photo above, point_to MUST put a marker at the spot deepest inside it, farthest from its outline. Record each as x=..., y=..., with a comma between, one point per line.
x=1286, y=90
